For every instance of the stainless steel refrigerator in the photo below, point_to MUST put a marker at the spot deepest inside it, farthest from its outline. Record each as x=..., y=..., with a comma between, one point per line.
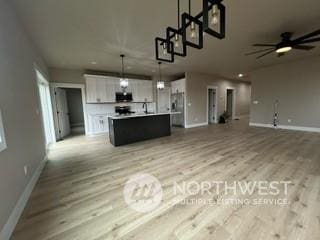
x=177, y=105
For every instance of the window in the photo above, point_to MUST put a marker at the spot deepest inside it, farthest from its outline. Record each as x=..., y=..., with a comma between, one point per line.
x=3, y=144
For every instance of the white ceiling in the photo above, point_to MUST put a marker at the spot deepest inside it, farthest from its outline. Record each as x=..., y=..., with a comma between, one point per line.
x=74, y=33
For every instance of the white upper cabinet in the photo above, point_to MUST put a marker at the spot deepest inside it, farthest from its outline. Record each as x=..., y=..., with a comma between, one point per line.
x=91, y=89
x=141, y=90
x=178, y=86
x=101, y=89
x=148, y=91
x=110, y=88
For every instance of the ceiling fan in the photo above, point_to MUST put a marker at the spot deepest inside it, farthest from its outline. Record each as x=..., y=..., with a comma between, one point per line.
x=287, y=44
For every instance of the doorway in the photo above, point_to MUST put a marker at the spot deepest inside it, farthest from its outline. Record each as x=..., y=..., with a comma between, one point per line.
x=69, y=110
x=212, y=105
x=46, y=108
x=230, y=103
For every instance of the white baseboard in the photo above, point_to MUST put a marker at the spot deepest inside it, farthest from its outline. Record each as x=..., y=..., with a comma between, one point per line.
x=9, y=227
x=287, y=127
x=261, y=125
x=196, y=125
x=241, y=116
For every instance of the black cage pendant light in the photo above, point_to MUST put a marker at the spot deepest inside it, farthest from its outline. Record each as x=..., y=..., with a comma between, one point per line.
x=196, y=30
x=164, y=50
x=214, y=16
x=124, y=83
x=176, y=35
x=211, y=20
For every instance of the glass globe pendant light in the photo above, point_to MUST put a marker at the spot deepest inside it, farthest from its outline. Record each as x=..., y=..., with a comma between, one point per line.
x=124, y=83
x=160, y=83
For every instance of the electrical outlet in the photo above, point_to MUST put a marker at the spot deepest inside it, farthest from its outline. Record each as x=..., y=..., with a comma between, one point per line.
x=25, y=168
x=289, y=120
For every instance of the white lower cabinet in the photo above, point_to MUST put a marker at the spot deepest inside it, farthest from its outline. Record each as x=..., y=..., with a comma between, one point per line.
x=98, y=124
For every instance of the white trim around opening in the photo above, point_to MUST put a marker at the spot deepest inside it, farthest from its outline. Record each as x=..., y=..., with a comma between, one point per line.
x=83, y=96
x=45, y=107
x=233, y=100
x=216, y=103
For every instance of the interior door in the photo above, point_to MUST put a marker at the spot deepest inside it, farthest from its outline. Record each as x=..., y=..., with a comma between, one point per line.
x=212, y=105
x=62, y=112
x=164, y=100
x=229, y=103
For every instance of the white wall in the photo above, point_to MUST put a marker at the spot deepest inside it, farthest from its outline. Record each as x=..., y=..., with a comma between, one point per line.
x=296, y=85
x=19, y=103
x=196, y=96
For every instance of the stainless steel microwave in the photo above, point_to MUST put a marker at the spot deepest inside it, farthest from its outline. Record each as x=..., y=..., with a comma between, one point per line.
x=124, y=97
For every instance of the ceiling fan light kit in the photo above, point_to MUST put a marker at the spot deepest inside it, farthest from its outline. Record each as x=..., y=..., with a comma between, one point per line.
x=191, y=32
x=284, y=49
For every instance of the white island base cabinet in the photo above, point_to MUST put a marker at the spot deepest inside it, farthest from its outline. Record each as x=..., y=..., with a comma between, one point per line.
x=98, y=124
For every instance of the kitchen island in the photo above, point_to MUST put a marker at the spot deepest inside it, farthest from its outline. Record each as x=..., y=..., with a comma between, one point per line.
x=126, y=129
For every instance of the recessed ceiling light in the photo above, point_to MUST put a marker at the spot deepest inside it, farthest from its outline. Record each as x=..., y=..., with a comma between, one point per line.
x=93, y=63
x=240, y=75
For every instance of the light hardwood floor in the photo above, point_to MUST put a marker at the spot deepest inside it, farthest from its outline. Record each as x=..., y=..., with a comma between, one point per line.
x=79, y=194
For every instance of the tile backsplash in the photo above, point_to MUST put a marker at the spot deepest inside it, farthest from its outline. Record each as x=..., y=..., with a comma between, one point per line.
x=93, y=109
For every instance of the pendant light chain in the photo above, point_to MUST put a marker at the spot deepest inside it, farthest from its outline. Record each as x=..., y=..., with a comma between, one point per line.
x=160, y=83
x=178, y=14
x=122, y=56
x=160, y=71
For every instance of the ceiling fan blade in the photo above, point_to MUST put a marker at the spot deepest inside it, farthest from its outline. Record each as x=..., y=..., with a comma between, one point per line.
x=310, y=40
x=313, y=34
x=251, y=53
x=265, y=54
x=303, y=47
x=264, y=45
